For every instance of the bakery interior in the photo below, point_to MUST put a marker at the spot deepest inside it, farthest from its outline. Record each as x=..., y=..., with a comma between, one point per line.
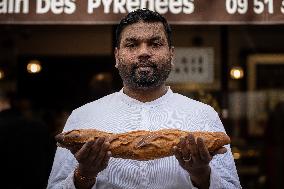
x=46, y=71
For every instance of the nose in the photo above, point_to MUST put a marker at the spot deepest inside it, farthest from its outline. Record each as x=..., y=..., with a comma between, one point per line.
x=144, y=51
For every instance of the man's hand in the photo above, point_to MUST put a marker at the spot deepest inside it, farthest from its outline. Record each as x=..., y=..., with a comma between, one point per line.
x=93, y=157
x=194, y=157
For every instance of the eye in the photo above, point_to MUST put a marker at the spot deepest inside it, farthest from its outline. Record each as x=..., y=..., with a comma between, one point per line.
x=130, y=45
x=157, y=44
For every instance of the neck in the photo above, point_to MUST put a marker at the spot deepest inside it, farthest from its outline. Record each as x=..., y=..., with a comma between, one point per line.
x=145, y=95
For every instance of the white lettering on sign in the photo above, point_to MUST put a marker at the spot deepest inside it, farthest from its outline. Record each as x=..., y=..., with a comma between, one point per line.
x=3, y=7
x=259, y=6
x=14, y=6
x=107, y=4
x=175, y=6
x=161, y=6
x=42, y=6
x=118, y=6
x=11, y=6
x=147, y=4
x=70, y=6
x=241, y=6
x=132, y=5
x=93, y=4
x=188, y=6
x=55, y=6
x=234, y=6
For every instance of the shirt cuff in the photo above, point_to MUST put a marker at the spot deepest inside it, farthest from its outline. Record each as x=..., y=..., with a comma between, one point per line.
x=69, y=181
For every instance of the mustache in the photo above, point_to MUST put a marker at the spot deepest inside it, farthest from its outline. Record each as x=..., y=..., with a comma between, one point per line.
x=143, y=63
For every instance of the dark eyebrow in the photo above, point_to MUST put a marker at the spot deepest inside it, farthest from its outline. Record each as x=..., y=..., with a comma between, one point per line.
x=156, y=38
x=131, y=39
x=134, y=39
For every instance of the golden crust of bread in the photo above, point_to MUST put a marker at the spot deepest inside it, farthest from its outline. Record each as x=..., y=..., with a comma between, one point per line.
x=141, y=145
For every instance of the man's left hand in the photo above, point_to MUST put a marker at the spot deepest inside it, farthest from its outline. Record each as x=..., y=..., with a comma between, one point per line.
x=194, y=157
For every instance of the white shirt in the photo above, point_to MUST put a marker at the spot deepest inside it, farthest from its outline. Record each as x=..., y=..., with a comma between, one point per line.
x=118, y=113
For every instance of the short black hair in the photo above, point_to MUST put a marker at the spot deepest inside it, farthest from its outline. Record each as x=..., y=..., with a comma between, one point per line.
x=144, y=15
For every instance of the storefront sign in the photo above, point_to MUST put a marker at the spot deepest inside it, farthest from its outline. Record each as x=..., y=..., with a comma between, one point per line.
x=111, y=11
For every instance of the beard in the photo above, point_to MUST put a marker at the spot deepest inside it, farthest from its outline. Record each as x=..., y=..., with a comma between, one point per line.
x=144, y=74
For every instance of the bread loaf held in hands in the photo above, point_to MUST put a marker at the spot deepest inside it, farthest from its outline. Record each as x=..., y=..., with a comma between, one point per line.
x=140, y=145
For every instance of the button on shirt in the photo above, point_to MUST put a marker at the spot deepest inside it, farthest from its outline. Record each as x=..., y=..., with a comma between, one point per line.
x=119, y=113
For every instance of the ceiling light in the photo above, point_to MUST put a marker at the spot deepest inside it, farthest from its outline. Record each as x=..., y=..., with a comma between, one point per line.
x=237, y=72
x=2, y=75
x=34, y=66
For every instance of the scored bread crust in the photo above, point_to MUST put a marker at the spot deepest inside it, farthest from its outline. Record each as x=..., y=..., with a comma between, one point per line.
x=140, y=145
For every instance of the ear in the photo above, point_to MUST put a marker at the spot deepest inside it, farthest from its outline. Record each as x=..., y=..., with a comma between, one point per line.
x=116, y=54
x=172, y=52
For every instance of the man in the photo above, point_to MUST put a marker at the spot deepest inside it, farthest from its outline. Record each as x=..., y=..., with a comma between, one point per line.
x=143, y=55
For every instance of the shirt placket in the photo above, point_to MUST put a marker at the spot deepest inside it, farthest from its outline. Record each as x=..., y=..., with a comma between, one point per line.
x=144, y=118
x=143, y=164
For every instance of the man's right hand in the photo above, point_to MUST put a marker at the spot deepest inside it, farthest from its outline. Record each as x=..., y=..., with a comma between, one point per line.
x=93, y=157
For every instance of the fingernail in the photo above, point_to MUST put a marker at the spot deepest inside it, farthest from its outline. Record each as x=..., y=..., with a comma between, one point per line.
x=109, y=153
x=90, y=142
x=200, y=140
x=191, y=138
x=100, y=140
x=107, y=144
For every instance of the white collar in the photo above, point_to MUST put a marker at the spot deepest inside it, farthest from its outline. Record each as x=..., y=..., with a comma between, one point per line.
x=133, y=102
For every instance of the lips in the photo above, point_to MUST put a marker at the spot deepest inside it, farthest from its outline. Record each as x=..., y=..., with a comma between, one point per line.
x=144, y=68
x=144, y=63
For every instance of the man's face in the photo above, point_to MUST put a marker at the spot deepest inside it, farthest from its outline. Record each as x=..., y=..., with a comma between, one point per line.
x=143, y=57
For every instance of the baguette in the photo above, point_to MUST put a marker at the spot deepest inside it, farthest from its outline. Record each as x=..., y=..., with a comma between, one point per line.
x=140, y=145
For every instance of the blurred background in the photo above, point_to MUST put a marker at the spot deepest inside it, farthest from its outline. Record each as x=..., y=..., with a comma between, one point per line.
x=49, y=69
